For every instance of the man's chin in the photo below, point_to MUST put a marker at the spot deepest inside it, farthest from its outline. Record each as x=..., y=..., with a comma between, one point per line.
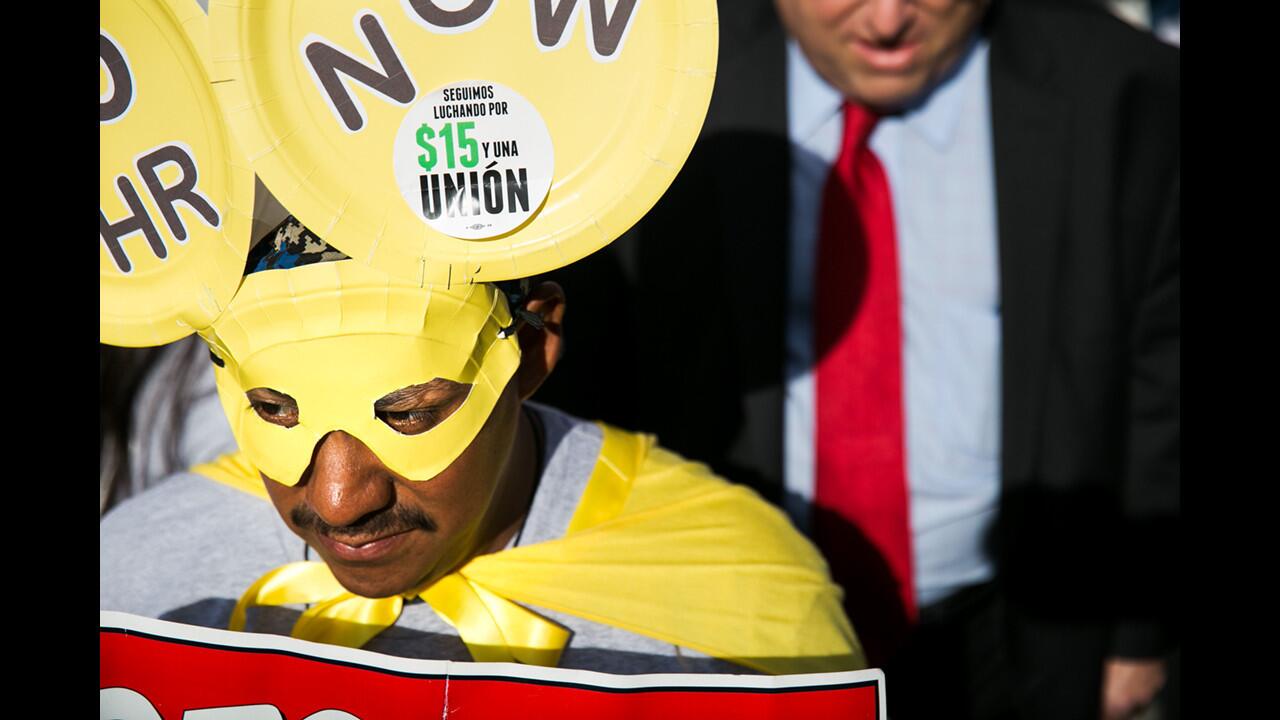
x=886, y=92
x=377, y=579
x=374, y=582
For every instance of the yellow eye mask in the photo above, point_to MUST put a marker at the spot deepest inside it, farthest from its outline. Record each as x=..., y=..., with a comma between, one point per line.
x=337, y=337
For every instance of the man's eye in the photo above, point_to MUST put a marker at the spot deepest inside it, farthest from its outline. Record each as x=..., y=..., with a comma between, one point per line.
x=409, y=422
x=276, y=413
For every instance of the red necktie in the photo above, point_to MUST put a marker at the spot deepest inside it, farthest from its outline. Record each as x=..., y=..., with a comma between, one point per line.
x=861, y=520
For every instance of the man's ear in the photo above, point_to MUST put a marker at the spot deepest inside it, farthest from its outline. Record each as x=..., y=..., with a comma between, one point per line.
x=540, y=349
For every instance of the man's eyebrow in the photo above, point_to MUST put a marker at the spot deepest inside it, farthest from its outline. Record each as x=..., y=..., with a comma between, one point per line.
x=441, y=389
x=284, y=398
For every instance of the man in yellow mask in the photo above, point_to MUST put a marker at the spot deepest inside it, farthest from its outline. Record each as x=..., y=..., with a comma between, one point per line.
x=388, y=426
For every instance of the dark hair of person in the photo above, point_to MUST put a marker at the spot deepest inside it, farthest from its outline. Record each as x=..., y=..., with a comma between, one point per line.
x=121, y=372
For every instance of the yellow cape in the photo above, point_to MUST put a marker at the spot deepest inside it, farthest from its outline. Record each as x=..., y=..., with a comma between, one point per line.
x=660, y=547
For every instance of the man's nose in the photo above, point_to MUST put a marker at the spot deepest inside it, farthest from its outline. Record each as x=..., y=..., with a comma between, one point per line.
x=348, y=481
x=889, y=19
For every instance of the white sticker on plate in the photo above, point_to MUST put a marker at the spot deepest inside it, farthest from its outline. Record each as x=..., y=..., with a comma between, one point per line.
x=473, y=159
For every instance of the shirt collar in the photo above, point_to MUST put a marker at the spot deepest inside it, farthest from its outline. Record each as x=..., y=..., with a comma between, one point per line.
x=938, y=115
x=812, y=101
x=934, y=117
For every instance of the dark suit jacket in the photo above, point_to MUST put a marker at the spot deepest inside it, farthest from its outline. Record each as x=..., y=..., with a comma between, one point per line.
x=677, y=328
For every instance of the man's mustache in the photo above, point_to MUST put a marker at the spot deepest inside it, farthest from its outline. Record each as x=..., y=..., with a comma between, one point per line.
x=393, y=520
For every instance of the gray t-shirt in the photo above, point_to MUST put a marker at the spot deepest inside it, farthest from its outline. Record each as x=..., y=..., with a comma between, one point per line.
x=186, y=549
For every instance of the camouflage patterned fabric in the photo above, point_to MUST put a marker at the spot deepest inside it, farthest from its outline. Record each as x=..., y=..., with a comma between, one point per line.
x=290, y=245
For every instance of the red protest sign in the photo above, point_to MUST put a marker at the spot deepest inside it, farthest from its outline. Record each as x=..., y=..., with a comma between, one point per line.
x=156, y=670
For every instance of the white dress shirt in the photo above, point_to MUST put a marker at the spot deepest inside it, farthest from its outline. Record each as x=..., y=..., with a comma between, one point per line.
x=937, y=157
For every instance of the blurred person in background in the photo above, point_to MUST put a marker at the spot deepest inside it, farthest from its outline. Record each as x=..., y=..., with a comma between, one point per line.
x=158, y=414
x=941, y=241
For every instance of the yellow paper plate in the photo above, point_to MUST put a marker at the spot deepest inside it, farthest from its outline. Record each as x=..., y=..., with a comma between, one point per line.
x=175, y=195
x=554, y=127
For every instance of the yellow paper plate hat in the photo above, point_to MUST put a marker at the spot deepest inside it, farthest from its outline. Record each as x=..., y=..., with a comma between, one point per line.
x=447, y=141
x=175, y=196
x=439, y=141
x=440, y=144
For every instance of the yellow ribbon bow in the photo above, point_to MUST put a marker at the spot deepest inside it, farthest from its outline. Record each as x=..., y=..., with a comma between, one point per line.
x=494, y=629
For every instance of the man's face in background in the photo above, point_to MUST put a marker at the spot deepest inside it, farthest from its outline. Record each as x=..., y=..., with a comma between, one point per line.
x=882, y=53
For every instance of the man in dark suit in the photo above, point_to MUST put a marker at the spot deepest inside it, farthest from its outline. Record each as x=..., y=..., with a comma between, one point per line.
x=1072, y=600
